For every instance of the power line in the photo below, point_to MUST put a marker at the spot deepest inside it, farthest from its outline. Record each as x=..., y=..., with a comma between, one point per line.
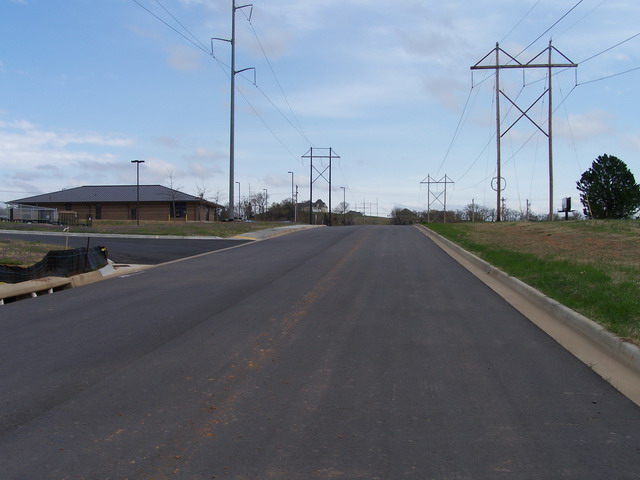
x=520, y=21
x=179, y=23
x=610, y=48
x=609, y=76
x=275, y=77
x=516, y=152
x=548, y=29
x=581, y=18
x=225, y=68
x=172, y=28
x=266, y=125
x=455, y=133
x=591, y=58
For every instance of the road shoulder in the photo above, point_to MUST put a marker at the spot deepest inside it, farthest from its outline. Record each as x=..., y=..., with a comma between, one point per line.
x=616, y=361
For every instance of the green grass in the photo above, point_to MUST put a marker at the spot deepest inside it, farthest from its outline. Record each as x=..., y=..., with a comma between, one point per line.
x=619, y=227
x=23, y=253
x=214, y=229
x=606, y=293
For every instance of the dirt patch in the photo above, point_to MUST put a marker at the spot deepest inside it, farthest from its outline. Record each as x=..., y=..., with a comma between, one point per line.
x=600, y=243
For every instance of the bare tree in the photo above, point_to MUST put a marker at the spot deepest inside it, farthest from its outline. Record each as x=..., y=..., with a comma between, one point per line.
x=201, y=189
x=173, y=193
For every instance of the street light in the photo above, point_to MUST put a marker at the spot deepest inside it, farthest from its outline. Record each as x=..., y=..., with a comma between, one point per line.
x=239, y=208
x=137, y=162
x=293, y=204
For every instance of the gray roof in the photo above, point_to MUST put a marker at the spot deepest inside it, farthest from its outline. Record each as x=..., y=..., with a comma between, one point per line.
x=110, y=194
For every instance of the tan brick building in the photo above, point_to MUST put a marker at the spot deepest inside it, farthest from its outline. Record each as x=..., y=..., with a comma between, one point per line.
x=119, y=202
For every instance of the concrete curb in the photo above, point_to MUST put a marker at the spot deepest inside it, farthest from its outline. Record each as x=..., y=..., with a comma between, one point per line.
x=33, y=288
x=48, y=285
x=624, y=352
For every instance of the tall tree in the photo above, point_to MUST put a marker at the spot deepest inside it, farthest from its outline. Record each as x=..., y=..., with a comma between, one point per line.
x=608, y=189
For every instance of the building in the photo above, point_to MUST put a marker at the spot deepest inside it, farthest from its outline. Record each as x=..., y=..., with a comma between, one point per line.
x=318, y=207
x=120, y=202
x=319, y=211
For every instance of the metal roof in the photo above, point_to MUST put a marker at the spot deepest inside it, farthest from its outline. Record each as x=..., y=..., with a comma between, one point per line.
x=110, y=194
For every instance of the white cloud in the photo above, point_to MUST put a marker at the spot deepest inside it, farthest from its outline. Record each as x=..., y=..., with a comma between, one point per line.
x=583, y=126
x=345, y=101
x=184, y=59
x=632, y=141
x=28, y=152
x=168, y=141
x=201, y=154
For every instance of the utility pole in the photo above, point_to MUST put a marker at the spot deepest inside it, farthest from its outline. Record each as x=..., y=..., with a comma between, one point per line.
x=137, y=162
x=239, y=206
x=310, y=155
x=234, y=72
x=514, y=63
x=294, y=214
x=344, y=206
x=498, y=138
x=437, y=194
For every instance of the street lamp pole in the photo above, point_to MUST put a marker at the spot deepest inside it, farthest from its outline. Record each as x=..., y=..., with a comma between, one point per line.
x=137, y=162
x=292, y=204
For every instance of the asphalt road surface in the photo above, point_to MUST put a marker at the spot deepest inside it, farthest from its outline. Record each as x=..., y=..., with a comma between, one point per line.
x=143, y=251
x=335, y=353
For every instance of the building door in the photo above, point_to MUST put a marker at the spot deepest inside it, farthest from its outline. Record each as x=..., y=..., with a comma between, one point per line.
x=98, y=211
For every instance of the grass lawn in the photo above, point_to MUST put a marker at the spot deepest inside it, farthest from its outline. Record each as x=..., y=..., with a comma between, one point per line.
x=125, y=227
x=23, y=253
x=592, y=267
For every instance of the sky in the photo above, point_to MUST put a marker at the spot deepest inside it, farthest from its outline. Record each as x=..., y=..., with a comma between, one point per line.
x=86, y=87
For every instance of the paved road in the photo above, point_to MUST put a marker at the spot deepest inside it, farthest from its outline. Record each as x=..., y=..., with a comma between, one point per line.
x=355, y=353
x=144, y=251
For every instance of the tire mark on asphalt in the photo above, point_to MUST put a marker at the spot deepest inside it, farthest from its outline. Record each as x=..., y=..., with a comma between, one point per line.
x=222, y=411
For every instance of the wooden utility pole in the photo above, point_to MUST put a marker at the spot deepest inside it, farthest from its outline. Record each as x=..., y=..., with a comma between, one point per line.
x=514, y=63
x=310, y=155
x=436, y=195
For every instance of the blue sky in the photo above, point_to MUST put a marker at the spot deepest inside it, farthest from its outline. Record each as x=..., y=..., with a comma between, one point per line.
x=88, y=86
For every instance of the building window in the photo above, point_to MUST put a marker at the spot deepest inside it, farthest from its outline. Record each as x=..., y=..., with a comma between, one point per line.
x=134, y=214
x=67, y=207
x=181, y=209
x=98, y=211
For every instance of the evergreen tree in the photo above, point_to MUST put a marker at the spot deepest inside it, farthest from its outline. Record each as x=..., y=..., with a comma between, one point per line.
x=608, y=189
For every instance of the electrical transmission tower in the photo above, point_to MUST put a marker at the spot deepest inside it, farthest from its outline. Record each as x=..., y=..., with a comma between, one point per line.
x=514, y=63
x=437, y=194
x=320, y=174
